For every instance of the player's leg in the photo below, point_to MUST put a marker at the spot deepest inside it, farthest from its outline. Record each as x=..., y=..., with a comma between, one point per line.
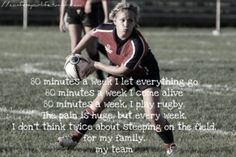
x=93, y=53
x=153, y=115
x=92, y=47
x=91, y=21
x=91, y=113
x=101, y=49
x=75, y=32
x=98, y=104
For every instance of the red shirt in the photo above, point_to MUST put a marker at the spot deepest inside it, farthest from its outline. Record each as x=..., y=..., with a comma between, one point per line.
x=128, y=52
x=133, y=52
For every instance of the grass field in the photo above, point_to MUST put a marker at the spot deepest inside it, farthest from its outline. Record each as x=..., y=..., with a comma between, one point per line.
x=28, y=58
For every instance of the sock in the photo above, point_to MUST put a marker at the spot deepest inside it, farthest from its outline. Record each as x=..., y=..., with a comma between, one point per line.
x=76, y=136
x=96, y=57
x=100, y=75
x=166, y=135
x=87, y=119
x=102, y=49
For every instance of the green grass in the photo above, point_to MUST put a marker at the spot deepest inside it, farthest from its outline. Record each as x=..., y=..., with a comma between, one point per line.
x=183, y=53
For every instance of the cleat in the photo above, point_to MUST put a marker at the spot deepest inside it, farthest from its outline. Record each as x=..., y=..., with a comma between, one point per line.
x=67, y=142
x=170, y=149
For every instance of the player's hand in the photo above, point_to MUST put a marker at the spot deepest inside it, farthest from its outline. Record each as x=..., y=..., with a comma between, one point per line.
x=89, y=69
x=62, y=26
x=68, y=55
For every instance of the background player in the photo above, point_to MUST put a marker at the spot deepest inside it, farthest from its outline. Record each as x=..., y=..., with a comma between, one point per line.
x=83, y=15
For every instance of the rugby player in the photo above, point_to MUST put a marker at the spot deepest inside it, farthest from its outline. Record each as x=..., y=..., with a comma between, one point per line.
x=130, y=57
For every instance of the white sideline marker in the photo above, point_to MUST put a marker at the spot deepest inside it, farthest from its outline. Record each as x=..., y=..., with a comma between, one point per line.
x=216, y=32
x=25, y=14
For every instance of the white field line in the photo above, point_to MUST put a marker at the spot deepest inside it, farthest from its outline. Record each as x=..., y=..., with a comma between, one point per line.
x=40, y=114
x=9, y=54
x=30, y=69
x=189, y=33
x=21, y=112
x=33, y=113
x=215, y=89
x=185, y=60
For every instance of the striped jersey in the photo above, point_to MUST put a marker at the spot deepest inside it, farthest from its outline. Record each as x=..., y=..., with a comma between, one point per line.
x=129, y=52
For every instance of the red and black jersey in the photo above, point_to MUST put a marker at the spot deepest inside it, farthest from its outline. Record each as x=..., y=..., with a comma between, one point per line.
x=133, y=52
x=128, y=52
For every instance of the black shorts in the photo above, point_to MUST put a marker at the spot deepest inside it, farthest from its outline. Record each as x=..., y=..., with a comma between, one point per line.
x=96, y=17
x=93, y=19
x=75, y=15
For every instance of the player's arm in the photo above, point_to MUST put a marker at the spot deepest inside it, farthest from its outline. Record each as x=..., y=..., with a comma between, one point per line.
x=105, y=10
x=62, y=15
x=113, y=70
x=88, y=6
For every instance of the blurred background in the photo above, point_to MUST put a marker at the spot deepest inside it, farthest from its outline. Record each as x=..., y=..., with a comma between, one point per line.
x=194, y=13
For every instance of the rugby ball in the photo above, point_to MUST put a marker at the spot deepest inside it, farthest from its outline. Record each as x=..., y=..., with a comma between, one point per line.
x=75, y=66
